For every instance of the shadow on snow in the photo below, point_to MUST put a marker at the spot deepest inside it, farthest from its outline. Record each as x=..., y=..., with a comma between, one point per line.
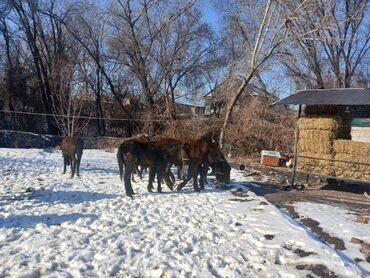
x=58, y=197
x=30, y=221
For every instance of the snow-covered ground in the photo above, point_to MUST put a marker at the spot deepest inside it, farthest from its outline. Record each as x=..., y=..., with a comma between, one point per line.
x=86, y=227
x=340, y=223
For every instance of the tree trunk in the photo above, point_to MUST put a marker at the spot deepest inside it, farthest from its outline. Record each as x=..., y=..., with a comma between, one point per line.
x=231, y=107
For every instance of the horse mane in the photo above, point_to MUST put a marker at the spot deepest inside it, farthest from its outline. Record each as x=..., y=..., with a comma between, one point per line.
x=212, y=136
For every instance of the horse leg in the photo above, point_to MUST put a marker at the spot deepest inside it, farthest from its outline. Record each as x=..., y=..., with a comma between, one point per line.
x=140, y=171
x=78, y=164
x=65, y=160
x=133, y=177
x=195, y=178
x=203, y=169
x=191, y=169
x=180, y=171
x=127, y=180
x=168, y=181
x=73, y=165
x=170, y=174
x=159, y=178
x=151, y=179
x=201, y=178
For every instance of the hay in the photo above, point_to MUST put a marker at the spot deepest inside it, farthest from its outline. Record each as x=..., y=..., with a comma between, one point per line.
x=321, y=164
x=317, y=135
x=316, y=147
x=349, y=167
x=316, y=141
x=324, y=122
x=321, y=154
x=352, y=148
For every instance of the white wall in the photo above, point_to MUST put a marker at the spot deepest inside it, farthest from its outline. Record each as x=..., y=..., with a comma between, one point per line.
x=360, y=134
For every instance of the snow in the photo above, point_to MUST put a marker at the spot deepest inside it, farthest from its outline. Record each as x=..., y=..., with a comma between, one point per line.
x=341, y=223
x=86, y=227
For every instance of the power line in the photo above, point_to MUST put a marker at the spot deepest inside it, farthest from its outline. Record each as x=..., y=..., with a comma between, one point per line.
x=108, y=119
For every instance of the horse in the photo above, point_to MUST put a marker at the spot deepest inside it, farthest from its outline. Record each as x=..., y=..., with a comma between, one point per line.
x=136, y=152
x=199, y=153
x=140, y=137
x=71, y=147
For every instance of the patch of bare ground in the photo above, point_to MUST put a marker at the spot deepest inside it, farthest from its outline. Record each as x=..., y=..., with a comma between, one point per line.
x=319, y=270
x=351, y=201
x=303, y=253
x=351, y=196
x=314, y=226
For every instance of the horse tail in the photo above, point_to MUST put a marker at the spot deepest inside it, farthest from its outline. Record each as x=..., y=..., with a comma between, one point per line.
x=120, y=162
x=67, y=159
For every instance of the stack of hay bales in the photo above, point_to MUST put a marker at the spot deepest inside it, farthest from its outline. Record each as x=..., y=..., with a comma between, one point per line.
x=348, y=158
x=315, y=144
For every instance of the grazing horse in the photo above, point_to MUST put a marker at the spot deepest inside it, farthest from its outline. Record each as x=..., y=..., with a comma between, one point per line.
x=221, y=169
x=136, y=152
x=199, y=152
x=175, y=155
x=72, y=152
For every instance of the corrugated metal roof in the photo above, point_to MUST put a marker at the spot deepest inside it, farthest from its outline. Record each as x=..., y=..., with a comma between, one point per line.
x=346, y=96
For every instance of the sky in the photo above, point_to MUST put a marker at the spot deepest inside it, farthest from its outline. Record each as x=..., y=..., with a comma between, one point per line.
x=211, y=15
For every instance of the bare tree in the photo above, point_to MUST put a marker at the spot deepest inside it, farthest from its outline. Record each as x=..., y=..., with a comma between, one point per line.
x=163, y=44
x=46, y=41
x=69, y=105
x=335, y=52
x=262, y=29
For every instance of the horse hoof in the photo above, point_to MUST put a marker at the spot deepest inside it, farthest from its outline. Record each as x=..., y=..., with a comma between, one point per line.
x=130, y=194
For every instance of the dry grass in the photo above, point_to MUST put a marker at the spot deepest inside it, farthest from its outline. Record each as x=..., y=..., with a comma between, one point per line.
x=257, y=126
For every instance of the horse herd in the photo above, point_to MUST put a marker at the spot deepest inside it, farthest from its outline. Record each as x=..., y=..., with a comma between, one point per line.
x=159, y=155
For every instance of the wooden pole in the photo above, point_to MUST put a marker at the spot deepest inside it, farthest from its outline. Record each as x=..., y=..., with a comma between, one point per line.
x=296, y=148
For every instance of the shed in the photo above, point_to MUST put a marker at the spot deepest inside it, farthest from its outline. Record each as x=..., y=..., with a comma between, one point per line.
x=333, y=132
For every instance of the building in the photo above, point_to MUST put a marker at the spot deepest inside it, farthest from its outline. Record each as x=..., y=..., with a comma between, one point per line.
x=333, y=132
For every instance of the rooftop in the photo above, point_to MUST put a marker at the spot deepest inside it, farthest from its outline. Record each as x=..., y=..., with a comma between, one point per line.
x=345, y=96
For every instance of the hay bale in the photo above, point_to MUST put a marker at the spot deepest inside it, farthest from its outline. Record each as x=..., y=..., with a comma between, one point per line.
x=352, y=148
x=323, y=122
x=349, y=166
x=321, y=164
x=316, y=141
x=316, y=147
x=316, y=135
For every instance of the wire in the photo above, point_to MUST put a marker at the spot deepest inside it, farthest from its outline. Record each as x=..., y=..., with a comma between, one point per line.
x=108, y=119
x=334, y=160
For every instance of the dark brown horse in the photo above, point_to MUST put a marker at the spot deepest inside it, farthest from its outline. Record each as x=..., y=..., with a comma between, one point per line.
x=140, y=138
x=72, y=152
x=175, y=155
x=221, y=169
x=134, y=152
x=199, y=153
